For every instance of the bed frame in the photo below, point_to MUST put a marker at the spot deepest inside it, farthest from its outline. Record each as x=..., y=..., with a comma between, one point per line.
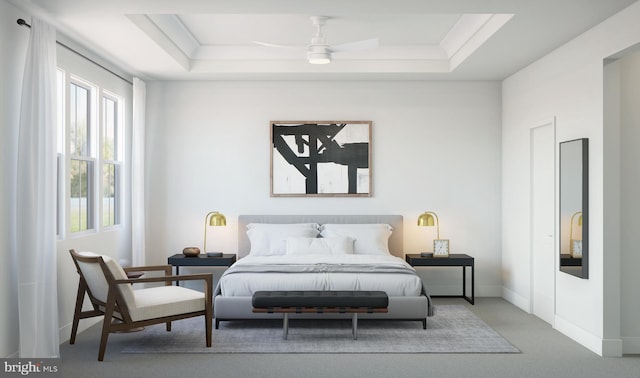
x=400, y=308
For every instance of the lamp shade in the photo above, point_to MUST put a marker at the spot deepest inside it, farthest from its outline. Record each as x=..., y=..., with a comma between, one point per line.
x=426, y=219
x=216, y=219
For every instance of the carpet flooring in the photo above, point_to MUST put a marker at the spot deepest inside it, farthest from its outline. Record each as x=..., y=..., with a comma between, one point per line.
x=454, y=329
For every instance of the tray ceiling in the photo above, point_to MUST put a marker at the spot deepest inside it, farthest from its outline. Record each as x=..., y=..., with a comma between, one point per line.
x=437, y=39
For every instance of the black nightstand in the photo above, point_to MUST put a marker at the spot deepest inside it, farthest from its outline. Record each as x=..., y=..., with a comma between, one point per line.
x=179, y=260
x=455, y=259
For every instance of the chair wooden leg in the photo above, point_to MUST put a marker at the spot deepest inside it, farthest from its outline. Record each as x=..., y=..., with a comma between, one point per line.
x=207, y=327
x=168, y=326
x=77, y=311
x=74, y=329
x=106, y=324
x=103, y=339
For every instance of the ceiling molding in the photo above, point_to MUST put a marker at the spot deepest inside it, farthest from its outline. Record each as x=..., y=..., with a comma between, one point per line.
x=301, y=66
x=471, y=32
x=159, y=36
x=175, y=30
x=468, y=33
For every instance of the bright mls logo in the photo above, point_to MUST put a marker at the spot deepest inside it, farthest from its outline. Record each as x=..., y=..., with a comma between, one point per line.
x=18, y=366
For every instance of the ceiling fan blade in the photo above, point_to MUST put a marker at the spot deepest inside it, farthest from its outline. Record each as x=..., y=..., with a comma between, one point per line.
x=277, y=46
x=358, y=45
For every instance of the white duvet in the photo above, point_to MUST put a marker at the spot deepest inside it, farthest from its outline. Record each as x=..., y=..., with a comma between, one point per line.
x=318, y=272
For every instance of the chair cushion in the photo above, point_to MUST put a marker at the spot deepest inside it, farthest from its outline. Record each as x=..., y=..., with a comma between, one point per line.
x=162, y=301
x=98, y=283
x=373, y=299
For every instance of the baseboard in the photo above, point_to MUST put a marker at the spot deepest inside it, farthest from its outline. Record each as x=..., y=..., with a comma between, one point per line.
x=612, y=347
x=602, y=347
x=631, y=345
x=516, y=299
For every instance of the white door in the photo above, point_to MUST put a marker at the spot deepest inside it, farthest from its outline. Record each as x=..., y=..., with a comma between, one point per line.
x=543, y=220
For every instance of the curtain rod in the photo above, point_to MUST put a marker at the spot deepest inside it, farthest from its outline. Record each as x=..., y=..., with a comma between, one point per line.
x=24, y=23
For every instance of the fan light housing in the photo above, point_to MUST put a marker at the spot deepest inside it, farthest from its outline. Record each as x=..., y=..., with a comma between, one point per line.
x=319, y=57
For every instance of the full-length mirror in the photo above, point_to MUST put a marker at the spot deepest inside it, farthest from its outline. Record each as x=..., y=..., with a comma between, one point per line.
x=574, y=207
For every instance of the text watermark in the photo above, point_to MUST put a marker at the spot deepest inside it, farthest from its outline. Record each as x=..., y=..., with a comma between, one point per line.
x=28, y=366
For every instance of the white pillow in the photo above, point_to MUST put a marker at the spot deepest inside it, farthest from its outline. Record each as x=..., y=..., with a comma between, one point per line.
x=370, y=239
x=269, y=239
x=320, y=246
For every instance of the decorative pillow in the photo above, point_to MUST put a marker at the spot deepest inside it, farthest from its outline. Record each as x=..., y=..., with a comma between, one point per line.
x=370, y=239
x=320, y=246
x=269, y=239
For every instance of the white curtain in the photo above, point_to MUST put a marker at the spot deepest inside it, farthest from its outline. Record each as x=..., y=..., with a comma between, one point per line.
x=36, y=199
x=137, y=174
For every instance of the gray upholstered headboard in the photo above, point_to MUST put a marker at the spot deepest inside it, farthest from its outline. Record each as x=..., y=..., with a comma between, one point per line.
x=395, y=221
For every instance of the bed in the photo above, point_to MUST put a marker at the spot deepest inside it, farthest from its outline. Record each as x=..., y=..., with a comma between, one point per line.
x=346, y=252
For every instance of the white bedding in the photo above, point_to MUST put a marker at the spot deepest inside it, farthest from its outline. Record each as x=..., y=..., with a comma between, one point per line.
x=319, y=272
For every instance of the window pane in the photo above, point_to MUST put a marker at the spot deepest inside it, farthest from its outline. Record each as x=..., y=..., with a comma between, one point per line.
x=109, y=147
x=79, y=120
x=109, y=196
x=81, y=213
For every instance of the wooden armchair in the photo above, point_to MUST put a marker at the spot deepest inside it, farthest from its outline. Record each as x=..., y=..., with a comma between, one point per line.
x=111, y=294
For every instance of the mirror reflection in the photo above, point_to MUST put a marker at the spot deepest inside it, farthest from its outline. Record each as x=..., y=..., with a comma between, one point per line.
x=574, y=200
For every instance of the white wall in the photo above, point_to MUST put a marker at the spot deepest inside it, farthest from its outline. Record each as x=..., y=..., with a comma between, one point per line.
x=436, y=146
x=567, y=84
x=612, y=203
x=13, y=44
x=629, y=189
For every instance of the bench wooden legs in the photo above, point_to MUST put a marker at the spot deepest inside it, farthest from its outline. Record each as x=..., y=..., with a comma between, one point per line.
x=354, y=326
x=285, y=325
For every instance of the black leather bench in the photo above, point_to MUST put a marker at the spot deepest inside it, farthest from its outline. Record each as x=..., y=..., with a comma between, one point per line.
x=344, y=302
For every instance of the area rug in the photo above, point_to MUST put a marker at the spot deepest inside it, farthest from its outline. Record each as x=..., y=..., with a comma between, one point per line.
x=454, y=329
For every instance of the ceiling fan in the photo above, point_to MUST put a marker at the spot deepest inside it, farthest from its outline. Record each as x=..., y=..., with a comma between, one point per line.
x=319, y=51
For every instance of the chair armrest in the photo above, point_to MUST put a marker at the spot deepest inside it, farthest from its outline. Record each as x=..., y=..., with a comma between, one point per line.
x=150, y=268
x=187, y=277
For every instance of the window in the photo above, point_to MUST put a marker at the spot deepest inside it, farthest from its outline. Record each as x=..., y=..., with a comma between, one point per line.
x=81, y=172
x=89, y=156
x=110, y=161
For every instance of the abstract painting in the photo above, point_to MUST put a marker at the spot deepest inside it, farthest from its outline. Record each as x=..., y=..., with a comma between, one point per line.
x=320, y=158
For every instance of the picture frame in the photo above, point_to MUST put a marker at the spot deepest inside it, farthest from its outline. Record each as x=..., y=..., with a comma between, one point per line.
x=441, y=248
x=320, y=158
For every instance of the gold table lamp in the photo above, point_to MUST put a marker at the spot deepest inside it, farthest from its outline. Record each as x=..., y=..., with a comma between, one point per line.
x=440, y=246
x=430, y=219
x=213, y=219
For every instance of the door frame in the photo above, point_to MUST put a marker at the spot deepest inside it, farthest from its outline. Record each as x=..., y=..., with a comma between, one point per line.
x=552, y=123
